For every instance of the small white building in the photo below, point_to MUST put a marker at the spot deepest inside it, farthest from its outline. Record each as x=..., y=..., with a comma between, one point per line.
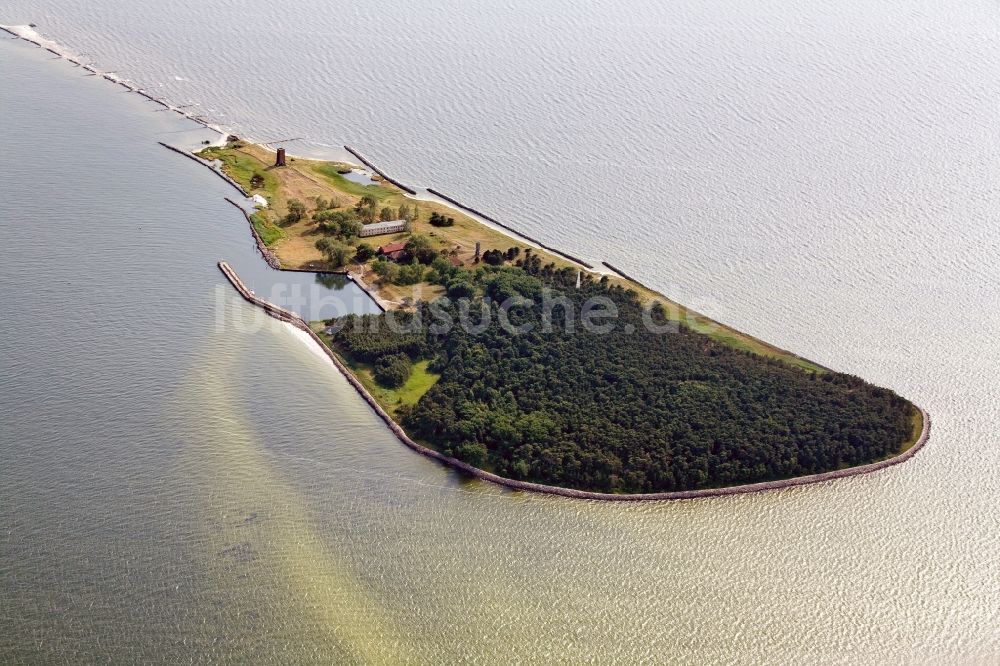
x=258, y=200
x=381, y=228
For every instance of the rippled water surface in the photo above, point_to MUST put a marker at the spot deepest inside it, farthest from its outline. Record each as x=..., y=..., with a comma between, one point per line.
x=183, y=480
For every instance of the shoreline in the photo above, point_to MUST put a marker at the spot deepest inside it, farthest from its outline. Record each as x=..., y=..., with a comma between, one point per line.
x=695, y=319
x=911, y=445
x=266, y=253
x=409, y=190
x=514, y=233
x=271, y=260
x=211, y=167
x=29, y=34
x=299, y=323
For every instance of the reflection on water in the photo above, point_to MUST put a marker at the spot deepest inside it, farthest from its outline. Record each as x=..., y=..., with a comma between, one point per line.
x=334, y=281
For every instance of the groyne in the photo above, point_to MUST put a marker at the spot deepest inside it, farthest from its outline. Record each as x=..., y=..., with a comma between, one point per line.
x=465, y=468
x=151, y=98
x=269, y=257
x=364, y=160
x=512, y=230
x=623, y=274
x=205, y=163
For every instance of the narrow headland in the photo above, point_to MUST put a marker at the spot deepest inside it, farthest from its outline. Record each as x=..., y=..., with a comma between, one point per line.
x=328, y=216
x=304, y=206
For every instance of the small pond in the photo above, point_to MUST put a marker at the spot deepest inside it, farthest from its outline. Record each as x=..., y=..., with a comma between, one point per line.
x=360, y=177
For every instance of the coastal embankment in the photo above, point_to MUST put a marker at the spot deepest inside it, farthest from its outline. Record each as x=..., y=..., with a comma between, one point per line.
x=295, y=320
x=269, y=257
x=30, y=35
x=273, y=262
x=509, y=229
x=622, y=274
x=211, y=167
x=409, y=190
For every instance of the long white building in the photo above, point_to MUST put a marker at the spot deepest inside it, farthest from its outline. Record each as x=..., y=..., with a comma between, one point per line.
x=381, y=228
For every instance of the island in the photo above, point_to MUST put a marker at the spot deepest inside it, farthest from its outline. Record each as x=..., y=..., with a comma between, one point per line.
x=524, y=366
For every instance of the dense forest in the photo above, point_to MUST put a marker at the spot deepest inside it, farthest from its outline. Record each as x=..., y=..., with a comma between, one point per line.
x=630, y=410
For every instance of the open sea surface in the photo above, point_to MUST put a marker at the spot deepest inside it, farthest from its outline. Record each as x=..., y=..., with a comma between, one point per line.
x=185, y=481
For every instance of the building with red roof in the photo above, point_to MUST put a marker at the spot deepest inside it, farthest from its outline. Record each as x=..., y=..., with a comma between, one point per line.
x=394, y=251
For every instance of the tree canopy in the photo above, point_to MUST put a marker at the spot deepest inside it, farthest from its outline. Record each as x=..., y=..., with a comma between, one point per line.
x=629, y=410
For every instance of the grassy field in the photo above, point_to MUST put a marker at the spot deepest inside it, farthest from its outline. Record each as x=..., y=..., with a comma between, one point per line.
x=733, y=338
x=269, y=232
x=306, y=180
x=918, y=427
x=241, y=167
x=294, y=245
x=420, y=381
x=341, y=184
